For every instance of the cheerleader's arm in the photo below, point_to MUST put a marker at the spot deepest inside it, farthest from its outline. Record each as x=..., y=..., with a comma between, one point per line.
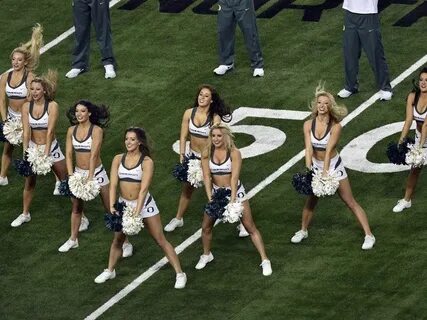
x=69, y=151
x=331, y=146
x=53, y=119
x=26, y=130
x=307, y=143
x=207, y=175
x=3, y=108
x=114, y=180
x=236, y=166
x=184, y=134
x=408, y=118
x=148, y=169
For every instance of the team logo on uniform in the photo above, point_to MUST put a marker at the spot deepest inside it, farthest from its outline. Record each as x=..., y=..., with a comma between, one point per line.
x=150, y=209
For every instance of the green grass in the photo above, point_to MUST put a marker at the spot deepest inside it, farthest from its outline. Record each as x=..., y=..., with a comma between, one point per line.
x=162, y=60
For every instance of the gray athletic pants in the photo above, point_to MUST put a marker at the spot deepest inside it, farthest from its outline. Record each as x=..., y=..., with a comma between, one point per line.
x=97, y=12
x=239, y=12
x=362, y=31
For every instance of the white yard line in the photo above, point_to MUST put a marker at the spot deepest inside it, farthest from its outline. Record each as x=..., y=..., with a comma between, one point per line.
x=153, y=269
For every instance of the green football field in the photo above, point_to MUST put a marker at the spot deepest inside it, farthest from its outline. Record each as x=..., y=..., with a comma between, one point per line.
x=165, y=50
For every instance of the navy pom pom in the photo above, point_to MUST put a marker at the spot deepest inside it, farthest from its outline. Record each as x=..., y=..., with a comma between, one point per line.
x=23, y=167
x=302, y=182
x=64, y=189
x=2, y=137
x=396, y=152
x=113, y=222
x=180, y=169
x=216, y=207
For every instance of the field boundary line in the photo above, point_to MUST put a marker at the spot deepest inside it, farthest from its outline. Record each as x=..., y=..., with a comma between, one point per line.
x=260, y=186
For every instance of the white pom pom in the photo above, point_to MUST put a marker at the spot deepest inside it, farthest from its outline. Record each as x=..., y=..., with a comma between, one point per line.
x=195, y=173
x=233, y=212
x=131, y=221
x=416, y=156
x=12, y=130
x=324, y=186
x=40, y=163
x=82, y=188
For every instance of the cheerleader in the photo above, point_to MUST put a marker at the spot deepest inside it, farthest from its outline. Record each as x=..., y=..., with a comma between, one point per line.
x=39, y=119
x=85, y=138
x=14, y=89
x=416, y=109
x=132, y=172
x=221, y=163
x=208, y=108
x=321, y=135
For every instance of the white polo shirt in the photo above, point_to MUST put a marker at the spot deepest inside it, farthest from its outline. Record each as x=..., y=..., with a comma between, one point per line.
x=361, y=6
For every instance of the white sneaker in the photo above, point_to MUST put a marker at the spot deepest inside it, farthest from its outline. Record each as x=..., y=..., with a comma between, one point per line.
x=344, y=93
x=266, y=267
x=22, y=218
x=110, y=73
x=105, y=275
x=299, y=236
x=223, y=69
x=204, y=260
x=84, y=224
x=4, y=181
x=258, y=72
x=401, y=205
x=385, y=95
x=368, y=243
x=242, y=231
x=181, y=280
x=74, y=73
x=69, y=244
x=56, y=190
x=173, y=224
x=127, y=249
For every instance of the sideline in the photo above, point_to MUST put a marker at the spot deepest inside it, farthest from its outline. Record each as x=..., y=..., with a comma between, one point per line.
x=153, y=269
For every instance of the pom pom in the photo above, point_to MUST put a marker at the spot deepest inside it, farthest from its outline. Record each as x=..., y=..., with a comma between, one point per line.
x=113, y=221
x=324, y=186
x=180, y=171
x=40, y=162
x=83, y=188
x=396, y=153
x=12, y=130
x=2, y=137
x=302, y=182
x=233, y=212
x=64, y=189
x=131, y=221
x=415, y=157
x=23, y=167
x=195, y=173
x=216, y=207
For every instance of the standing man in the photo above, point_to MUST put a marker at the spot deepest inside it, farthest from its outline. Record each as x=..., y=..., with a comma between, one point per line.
x=362, y=30
x=241, y=12
x=97, y=12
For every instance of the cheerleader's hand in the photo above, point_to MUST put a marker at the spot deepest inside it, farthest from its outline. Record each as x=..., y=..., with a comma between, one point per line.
x=324, y=173
x=181, y=158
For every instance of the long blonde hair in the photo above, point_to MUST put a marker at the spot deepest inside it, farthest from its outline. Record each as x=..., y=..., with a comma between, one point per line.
x=336, y=111
x=31, y=49
x=228, y=138
x=49, y=83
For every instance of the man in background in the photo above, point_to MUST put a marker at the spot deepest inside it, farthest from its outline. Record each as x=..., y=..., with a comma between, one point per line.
x=86, y=12
x=362, y=30
x=241, y=12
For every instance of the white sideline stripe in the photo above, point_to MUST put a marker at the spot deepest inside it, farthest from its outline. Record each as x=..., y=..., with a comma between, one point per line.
x=135, y=283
